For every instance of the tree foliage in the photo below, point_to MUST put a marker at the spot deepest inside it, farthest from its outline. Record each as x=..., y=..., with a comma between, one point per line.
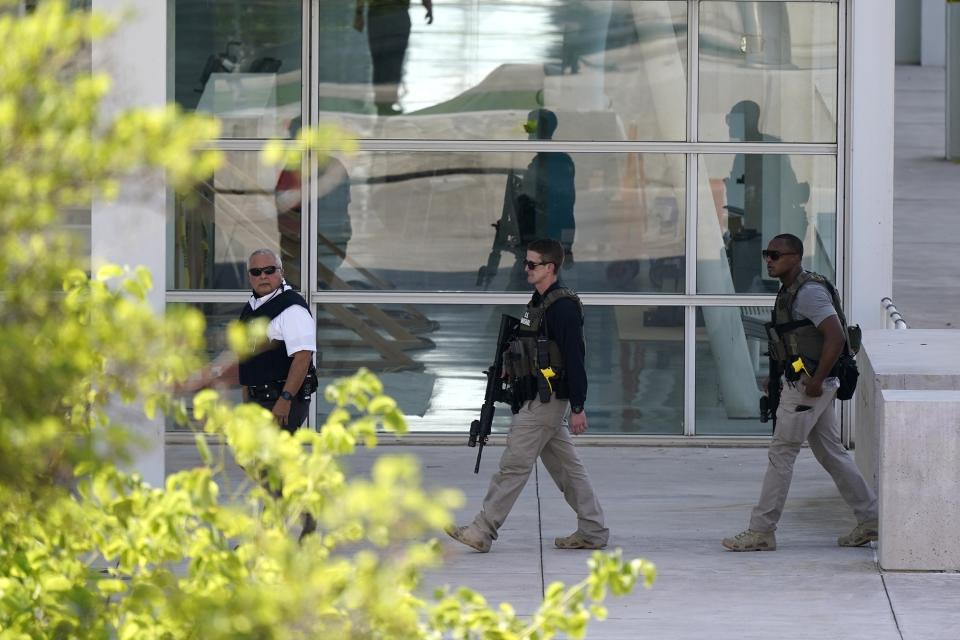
x=89, y=550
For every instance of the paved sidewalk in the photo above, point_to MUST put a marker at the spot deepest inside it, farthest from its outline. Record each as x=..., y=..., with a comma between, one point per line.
x=672, y=506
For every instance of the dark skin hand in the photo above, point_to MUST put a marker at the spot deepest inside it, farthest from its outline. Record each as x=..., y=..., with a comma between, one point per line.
x=832, y=348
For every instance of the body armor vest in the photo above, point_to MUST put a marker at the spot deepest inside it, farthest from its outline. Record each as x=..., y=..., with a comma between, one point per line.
x=800, y=338
x=791, y=338
x=270, y=366
x=532, y=351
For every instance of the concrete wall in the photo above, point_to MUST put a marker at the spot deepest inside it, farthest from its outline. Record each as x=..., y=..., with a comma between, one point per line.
x=933, y=33
x=908, y=442
x=908, y=34
x=912, y=359
x=920, y=35
x=919, y=442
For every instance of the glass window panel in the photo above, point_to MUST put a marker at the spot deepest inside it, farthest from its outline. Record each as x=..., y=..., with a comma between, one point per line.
x=430, y=358
x=239, y=61
x=75, y=221
x=218, y=316
x=424, y=221
x=747, y=199
x=30, y=5
x=768, y=71
x=731, y=367
x=245, y=206
x=609, y=70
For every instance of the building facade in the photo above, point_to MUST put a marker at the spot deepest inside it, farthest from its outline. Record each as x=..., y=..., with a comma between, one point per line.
x=663, y=142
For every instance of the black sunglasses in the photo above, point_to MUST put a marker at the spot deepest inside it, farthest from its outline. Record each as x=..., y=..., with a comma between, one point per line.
x=775, y=255
x=531, y=265
x=256, y=271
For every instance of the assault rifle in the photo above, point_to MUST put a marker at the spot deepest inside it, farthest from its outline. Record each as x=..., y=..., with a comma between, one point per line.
x=507, y=232
x=770, y=402
x=498, y=390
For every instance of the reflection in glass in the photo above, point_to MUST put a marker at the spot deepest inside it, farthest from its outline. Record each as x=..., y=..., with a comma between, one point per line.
x=239, y=61
x=218, y=316
x=780, y=56
x=387, y=23
x=460, y=221
x=731, y=367
x=610, y=69
x=333, y=217
x=538, y=203
x=746, y=200
x=245, y=206
x=431, y=359
x=76, y=222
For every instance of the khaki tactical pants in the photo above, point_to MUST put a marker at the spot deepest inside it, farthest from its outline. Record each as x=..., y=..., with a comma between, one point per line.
x=538, y=430
x=817, y=425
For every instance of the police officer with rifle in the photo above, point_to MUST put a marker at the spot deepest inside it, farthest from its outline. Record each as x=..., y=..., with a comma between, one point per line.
x=543, y=363
x=811, y=347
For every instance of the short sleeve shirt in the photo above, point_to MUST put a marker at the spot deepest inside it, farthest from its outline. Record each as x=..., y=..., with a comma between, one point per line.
x=294, y=325
x=813, y=302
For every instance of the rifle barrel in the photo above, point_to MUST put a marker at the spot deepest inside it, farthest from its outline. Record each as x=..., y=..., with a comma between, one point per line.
x=476, y=468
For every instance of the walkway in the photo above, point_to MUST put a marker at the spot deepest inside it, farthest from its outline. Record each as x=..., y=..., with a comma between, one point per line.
x=672, y=506
x=926, y=216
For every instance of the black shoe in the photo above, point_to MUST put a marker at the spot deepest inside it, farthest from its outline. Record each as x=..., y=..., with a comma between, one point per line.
x=309, y=526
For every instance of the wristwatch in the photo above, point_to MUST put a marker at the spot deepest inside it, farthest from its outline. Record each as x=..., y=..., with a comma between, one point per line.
x=577, y=408
x=286, y=395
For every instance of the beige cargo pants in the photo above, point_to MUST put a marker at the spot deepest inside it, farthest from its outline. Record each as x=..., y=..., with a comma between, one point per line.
x=538, y=431
x=799, y=418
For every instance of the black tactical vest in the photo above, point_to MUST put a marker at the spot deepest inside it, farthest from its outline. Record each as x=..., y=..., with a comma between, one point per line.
x=273, y=364
x=799, y=338
x=532, y=350
x=792, y=338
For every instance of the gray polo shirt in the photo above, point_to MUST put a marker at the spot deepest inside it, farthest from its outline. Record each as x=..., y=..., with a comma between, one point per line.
x=813, y=302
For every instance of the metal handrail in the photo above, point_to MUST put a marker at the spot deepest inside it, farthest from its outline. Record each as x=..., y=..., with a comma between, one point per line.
x=892, y=318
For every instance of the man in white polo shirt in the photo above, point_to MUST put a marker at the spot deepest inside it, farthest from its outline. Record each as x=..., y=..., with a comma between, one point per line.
x=280, y=376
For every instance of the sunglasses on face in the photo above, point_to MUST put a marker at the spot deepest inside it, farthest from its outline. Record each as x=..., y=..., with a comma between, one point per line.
x=776, y=255
x=256, y=271
x=531, y=265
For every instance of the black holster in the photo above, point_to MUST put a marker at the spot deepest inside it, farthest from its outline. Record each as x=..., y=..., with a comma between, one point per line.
x=270, y=391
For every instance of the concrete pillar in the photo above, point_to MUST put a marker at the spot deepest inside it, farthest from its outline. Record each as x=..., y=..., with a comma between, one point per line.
x=933, y=34
x=869, y=160
x=907, y=42
x=953, y=80
x=132, y=230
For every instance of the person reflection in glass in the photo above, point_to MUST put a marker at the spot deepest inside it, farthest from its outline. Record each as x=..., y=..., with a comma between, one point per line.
x=334, y=229
x=227, y=61
x=763, y=198
x=547, y=194
x=388, y=33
